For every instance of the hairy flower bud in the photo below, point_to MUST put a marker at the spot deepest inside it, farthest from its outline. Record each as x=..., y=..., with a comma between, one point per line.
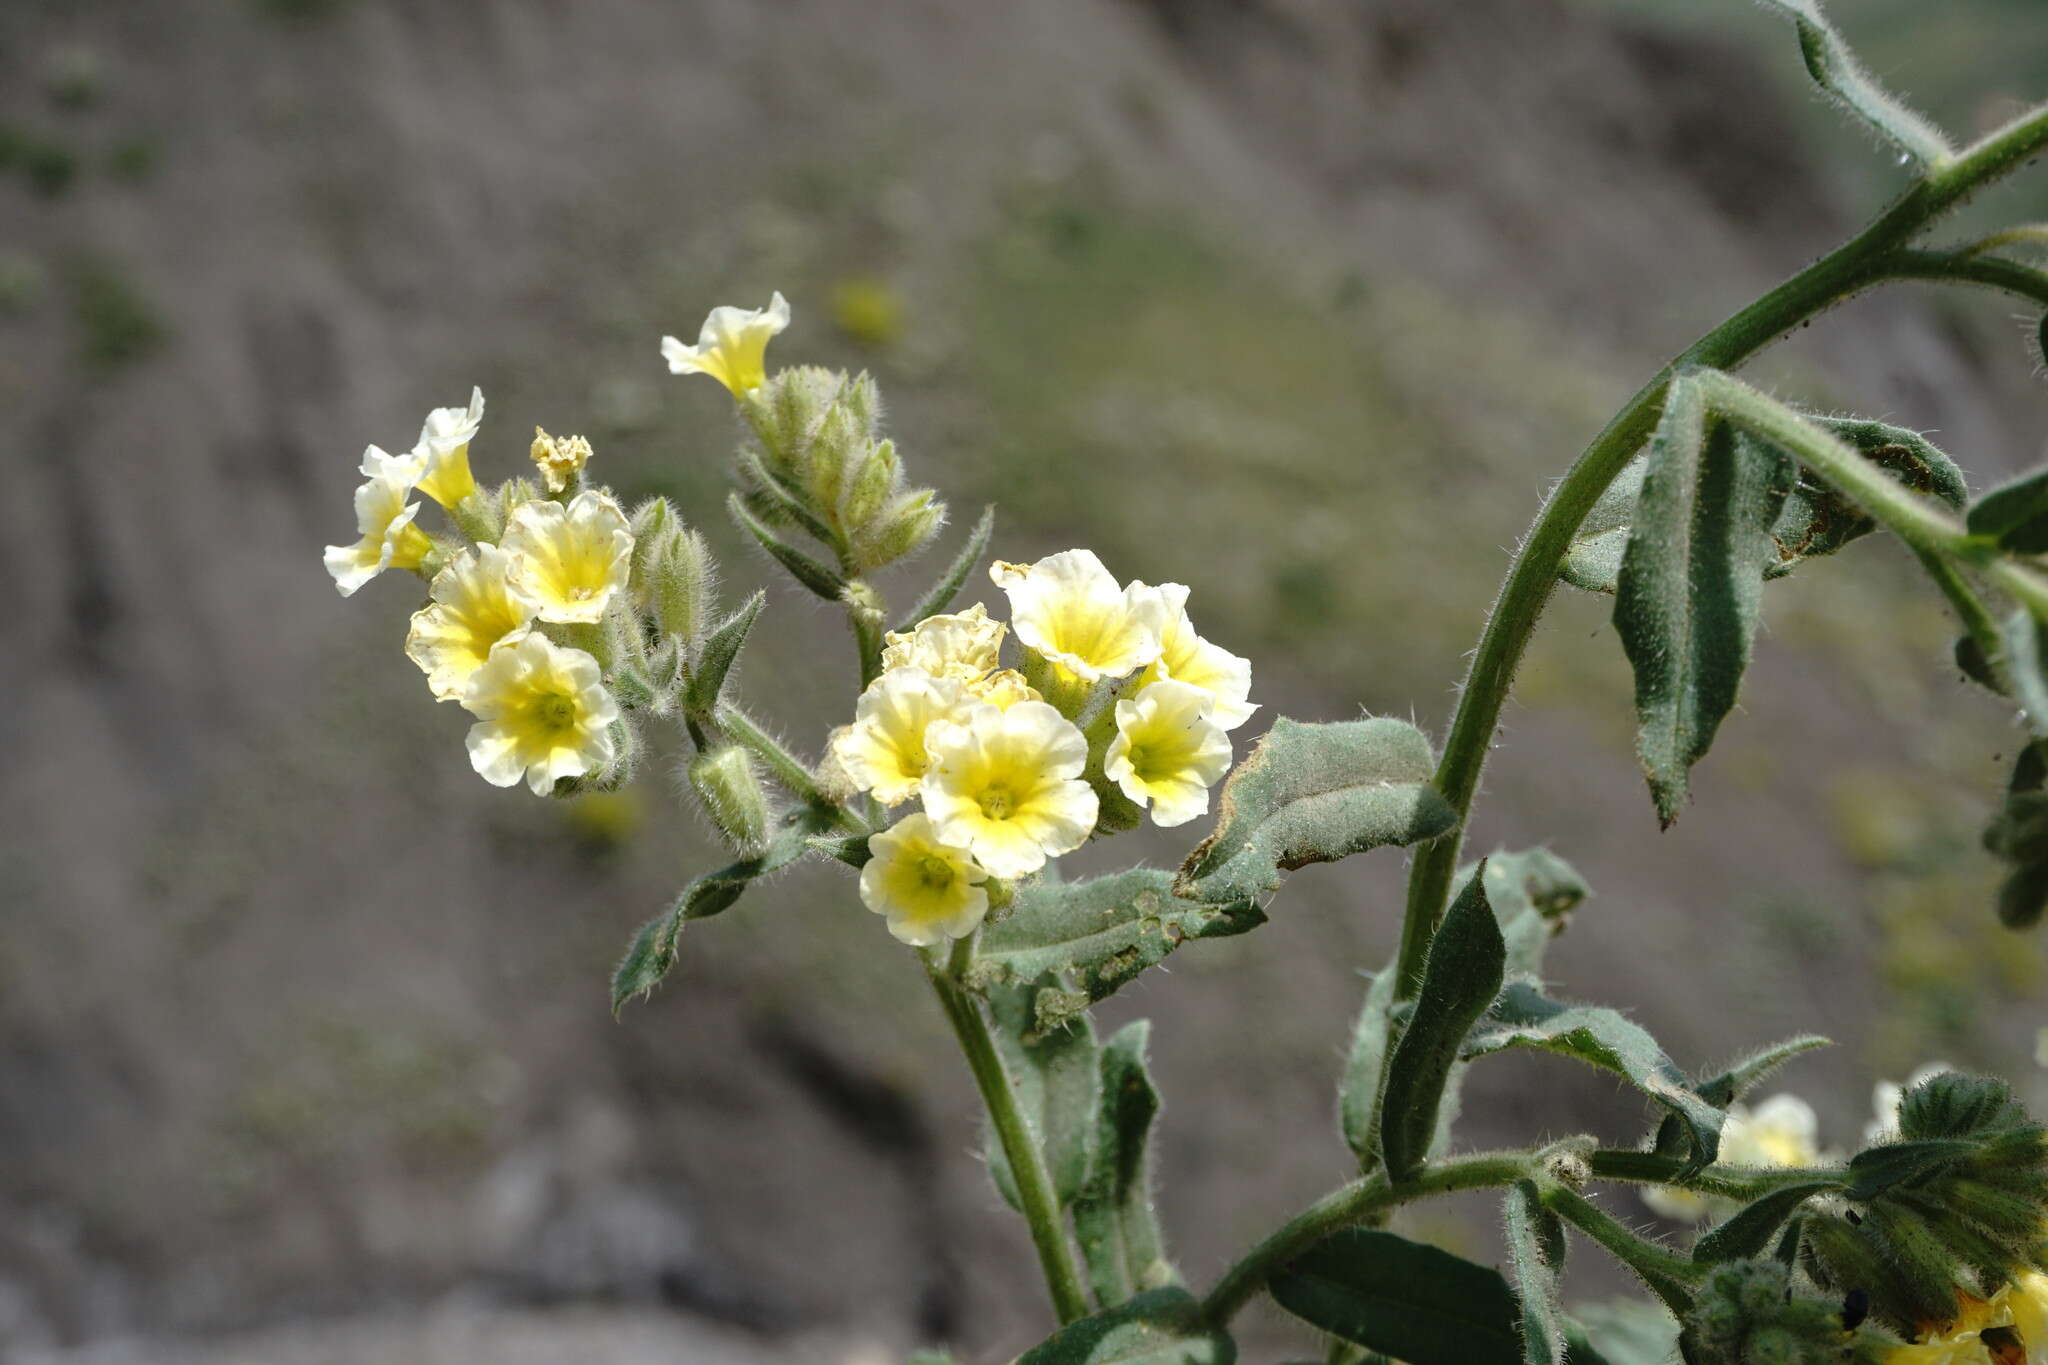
x=728, y=784
x=1753, y=1313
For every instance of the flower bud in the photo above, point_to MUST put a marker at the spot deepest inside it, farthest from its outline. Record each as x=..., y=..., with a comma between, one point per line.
x=730, y=788
x=785, y=414
x=901, y=529
x=1753, y=1313
x=682, y=586
x=877, y=473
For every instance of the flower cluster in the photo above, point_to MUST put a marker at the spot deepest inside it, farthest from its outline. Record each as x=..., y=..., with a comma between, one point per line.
x=1116, y=706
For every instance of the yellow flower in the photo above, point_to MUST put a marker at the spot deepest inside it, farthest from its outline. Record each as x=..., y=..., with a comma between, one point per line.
x=384, y=517
x=1782, y=1131
x=572, y=559
x=541, y=710
x=1186, y=657
x=1006, y=785
x=475, y=605
x=1961, y=1344
x=561, y=458
x=443, y=451
x=1003, y=689
x=1168, y=751
x=883, y=751
x=1069, y=609
x=2025, y=1303
x=964, y=645
x=929, y=890
x=733, y=346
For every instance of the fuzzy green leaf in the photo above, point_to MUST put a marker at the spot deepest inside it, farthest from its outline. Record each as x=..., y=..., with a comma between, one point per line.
x=941, y=593
x=1691, y=584
x=2015, y=514
x=1163, y=1327
x=1594, y=560
x=1524, y=1017
x=826, y=583
x=1749, y=1231
x=1953, y=1105
x=2026, y=663
x=1732, y=1084
x=1057, y=1078
x=777, y=501
x=1835, y=69
x=653, y=950
x=1416, y=1303
x=721, y=647
x=1361, y=1084
x=1461, y=976
x=1536, y=1247
x=1314, y=794
x=851, y=849
x=1100, y=933
x=1532, y=893
x=1113, y=1217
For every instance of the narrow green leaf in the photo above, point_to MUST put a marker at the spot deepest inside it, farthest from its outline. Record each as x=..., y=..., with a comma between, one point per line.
x=1876, y=1169
x=1461, y=976
x=1524, y=1017
x=1416, y=1303
x=1057, y=1078
x=775, y=500
x=1099, y=934
x=1361, y=1084
x=851, y=849
x=2015, y=513
x=941, y=593
x=721, y=647
x=1835, y=69
x=1532, y=893
x=1536, y=1246
x=1162, y=1327
x=653, y=950
x=1732, y=1084
x=1686, y=604
x=1750, y=1230
x=826, y=583
x=1951, y=1104
x=1314, y=794
x=1113, y=1217
x=2026, y=663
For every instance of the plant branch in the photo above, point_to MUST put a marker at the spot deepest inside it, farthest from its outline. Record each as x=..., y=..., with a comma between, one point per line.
x=1965, y=267
x=1027, y=1164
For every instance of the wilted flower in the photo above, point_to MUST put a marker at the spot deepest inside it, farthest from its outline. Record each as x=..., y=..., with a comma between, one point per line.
x=384, y=518
x=475, y=605
x=929, y=890
x=1003, y=689
x=1168, y=751
x=963, y=645
x=560, y=458
x=1006, y=786
x=883, y=751
x=542, y=712
x=1069, y=609
x=571, y=559
x=732, y=348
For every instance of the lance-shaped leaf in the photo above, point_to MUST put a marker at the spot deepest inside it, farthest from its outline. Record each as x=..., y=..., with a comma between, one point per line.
x=1057, y=1079
x=1536, y=1246
x=1835, y=69
x=1314, y=794
x=1524, y=1017
x=1113, y=1217
x=721, y=647
x=825, y=582
x=1461, y=975
x=1100, y=933
x=1750, y=1230
x=2015, y=514
x=1356, y=1093
x=653, y=950
x=1738, y=1079
x=1416, y=1303
x=1533, y=894
x=941, y=593
x=1691, y=583
x=1162, y=1327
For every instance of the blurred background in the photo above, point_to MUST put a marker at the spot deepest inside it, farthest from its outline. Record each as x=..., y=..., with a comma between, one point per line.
x=305, y=1053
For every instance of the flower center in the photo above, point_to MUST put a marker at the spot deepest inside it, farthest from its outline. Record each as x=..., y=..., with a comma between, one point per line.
x=554, y=711
x=935, y=872
x=997, y=803
x=1142, y=763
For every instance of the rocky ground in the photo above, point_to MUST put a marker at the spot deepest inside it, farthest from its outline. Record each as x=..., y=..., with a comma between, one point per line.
x=304, y=1049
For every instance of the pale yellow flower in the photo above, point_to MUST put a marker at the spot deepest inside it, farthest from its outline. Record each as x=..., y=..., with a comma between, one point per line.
x=560, y=458
x=1006, y=785
x=443, y=451
x=384, y=517
x=929, y=890
x=542, y=713
x=1962, y=1343
x=1069, y=609
x=475, y=605
x=883, y=751
x=571, y=560
x=1782, y=1131
x=1168, y=751
x=1003, y=689
x=2025, y=1303
x=732, y=347
x=964, y=645
x=1186, y=657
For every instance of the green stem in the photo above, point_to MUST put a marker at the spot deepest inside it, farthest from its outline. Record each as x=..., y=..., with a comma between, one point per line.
x=1975, y=616
x=1731, y=1182
x=787, y=768
x=1027, y=1164
x=1842, y=273
x=1961, y=267
x=1668, y=1274
x=1348, y=1205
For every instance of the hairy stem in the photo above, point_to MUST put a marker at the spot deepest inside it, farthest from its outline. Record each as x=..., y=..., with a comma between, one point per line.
x=1027, y=1163
x=1850, y=268
x=1667, y=1273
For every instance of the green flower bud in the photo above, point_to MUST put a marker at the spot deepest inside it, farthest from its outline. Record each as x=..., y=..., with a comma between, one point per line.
x=902, y=528
x=728, y=784
x=1756, y=1313
x=785, y=413
x=877, y=475
x=682, y=588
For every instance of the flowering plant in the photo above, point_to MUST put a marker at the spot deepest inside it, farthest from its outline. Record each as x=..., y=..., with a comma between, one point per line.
x=981, y=747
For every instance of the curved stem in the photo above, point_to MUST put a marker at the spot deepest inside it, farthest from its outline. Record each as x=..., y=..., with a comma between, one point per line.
x=1962, y=267
x=1027, y=1164
x=1842, y=273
